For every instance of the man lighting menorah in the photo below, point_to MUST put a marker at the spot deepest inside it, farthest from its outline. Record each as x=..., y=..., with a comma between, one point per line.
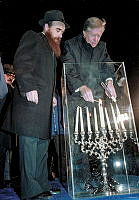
x=87, y=65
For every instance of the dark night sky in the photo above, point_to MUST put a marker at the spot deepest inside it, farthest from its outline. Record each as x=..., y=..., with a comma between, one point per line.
x=18, y=16
x=121, y=34
x=122, y=28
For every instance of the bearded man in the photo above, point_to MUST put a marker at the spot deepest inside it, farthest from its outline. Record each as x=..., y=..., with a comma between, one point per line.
x=35, y=70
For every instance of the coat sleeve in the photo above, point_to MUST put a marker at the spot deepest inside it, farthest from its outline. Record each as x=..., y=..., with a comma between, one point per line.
x=71, y=67
x=24, y=63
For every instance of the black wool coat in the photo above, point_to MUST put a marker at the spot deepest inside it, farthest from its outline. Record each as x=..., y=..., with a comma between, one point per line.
x=35, y=66
x=85, y=65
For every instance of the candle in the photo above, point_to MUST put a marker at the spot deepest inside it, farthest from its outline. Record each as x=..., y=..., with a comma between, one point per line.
x=108, y=121
x=81, y=120
x=114, y=118
x=95, y=118
x=119, y=115
x=101, y=114
x=88, y=120
x=77, y=120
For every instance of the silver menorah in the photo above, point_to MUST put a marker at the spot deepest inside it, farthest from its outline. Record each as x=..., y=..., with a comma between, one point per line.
x=103, y=139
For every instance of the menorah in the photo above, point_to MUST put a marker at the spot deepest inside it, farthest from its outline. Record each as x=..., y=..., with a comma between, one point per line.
x=103, y=139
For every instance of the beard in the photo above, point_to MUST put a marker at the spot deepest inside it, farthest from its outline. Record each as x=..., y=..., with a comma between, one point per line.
x=54, y=44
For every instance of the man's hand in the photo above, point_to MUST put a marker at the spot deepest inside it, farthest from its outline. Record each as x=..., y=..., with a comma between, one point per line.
x=86, y=93
x=111, y=89
x=54, y=102
x=32, y=96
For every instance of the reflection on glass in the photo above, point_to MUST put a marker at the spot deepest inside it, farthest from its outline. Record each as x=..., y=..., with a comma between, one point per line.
x=102, y=152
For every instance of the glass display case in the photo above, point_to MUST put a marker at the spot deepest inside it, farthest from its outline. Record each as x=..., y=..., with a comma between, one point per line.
x=102, y=155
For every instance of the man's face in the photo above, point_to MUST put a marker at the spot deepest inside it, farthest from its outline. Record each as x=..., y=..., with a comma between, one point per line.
x=56, y=31
x=9, y=78
x=93, y=36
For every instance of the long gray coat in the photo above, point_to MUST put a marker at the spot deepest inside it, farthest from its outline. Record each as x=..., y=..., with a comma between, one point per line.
x=35, y=65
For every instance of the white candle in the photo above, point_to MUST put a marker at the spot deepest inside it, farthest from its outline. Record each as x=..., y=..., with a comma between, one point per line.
x=108, y=121
x=88, y=120
x=77, y=120
x=95, y=118
x=121, y=120
x=102, y=122
x=114, y=118
x=81, y=120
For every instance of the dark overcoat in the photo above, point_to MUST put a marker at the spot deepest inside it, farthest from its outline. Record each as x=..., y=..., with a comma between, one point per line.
x=35, y=65
x=91, y=65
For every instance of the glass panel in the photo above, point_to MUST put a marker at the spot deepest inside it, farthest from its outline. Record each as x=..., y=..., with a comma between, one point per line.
x=101, y=138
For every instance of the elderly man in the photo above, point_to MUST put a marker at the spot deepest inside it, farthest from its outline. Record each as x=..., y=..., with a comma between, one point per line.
x=35, y=70
x=85, y=57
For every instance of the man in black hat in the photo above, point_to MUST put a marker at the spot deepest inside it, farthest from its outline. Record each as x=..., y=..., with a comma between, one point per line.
x=35, y=70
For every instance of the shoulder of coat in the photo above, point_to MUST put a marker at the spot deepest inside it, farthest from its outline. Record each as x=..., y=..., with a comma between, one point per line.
x=73, y=41
x=29, y=34
x=102, y=44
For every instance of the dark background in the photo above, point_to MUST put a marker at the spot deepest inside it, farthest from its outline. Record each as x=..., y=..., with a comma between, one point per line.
x=121, y=34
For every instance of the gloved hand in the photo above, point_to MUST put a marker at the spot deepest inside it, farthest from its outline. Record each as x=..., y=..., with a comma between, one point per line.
x=54, y=101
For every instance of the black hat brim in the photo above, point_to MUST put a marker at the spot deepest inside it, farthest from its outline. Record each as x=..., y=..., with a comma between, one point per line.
x=42, y=22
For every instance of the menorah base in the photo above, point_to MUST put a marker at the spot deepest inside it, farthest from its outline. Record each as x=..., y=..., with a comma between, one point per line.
x=107, y=189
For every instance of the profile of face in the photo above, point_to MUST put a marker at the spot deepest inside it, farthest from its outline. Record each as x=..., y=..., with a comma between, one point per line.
x=9, y=78
x=93, y=36
x=56, y=31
